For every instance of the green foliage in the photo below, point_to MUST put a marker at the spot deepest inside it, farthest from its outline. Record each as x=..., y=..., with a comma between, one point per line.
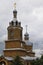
x=41, y=57
x=17, y=61
x=37, y=61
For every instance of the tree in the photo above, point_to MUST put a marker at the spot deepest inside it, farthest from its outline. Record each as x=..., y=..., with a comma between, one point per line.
x=17, y=61
x=37, y=61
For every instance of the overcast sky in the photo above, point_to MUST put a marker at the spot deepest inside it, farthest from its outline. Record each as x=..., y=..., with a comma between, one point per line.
x=30, y=12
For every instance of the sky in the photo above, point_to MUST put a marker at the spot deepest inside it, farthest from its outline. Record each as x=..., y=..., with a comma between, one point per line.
x=30, y=12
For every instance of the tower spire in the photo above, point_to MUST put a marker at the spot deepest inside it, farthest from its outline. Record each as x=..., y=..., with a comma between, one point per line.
x=26, y=35
x=26, y=28
x=14, y=13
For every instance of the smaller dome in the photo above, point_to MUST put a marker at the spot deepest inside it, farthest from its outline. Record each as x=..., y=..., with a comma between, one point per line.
x=28, y=42
x=26, y=36
x=15, y=11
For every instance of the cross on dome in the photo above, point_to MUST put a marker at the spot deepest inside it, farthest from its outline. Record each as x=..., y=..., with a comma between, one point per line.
x=14, y=5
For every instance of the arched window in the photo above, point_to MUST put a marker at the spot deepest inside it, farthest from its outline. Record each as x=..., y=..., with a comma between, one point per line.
x=2, y=63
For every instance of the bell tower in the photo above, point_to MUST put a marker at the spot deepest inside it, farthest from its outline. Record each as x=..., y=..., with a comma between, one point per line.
x=14, y=43
x=15, y=29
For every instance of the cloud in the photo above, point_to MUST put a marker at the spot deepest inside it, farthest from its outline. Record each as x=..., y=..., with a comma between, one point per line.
x=30, y=12
x=37, y=52
x=3, y=38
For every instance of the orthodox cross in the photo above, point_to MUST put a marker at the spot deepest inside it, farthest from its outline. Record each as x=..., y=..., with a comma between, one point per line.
x=15, y=5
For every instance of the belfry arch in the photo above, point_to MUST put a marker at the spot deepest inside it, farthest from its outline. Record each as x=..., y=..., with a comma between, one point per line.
x=2, y=63
x=3, y=60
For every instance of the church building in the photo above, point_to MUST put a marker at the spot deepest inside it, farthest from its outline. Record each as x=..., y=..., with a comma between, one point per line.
x=15, y=45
